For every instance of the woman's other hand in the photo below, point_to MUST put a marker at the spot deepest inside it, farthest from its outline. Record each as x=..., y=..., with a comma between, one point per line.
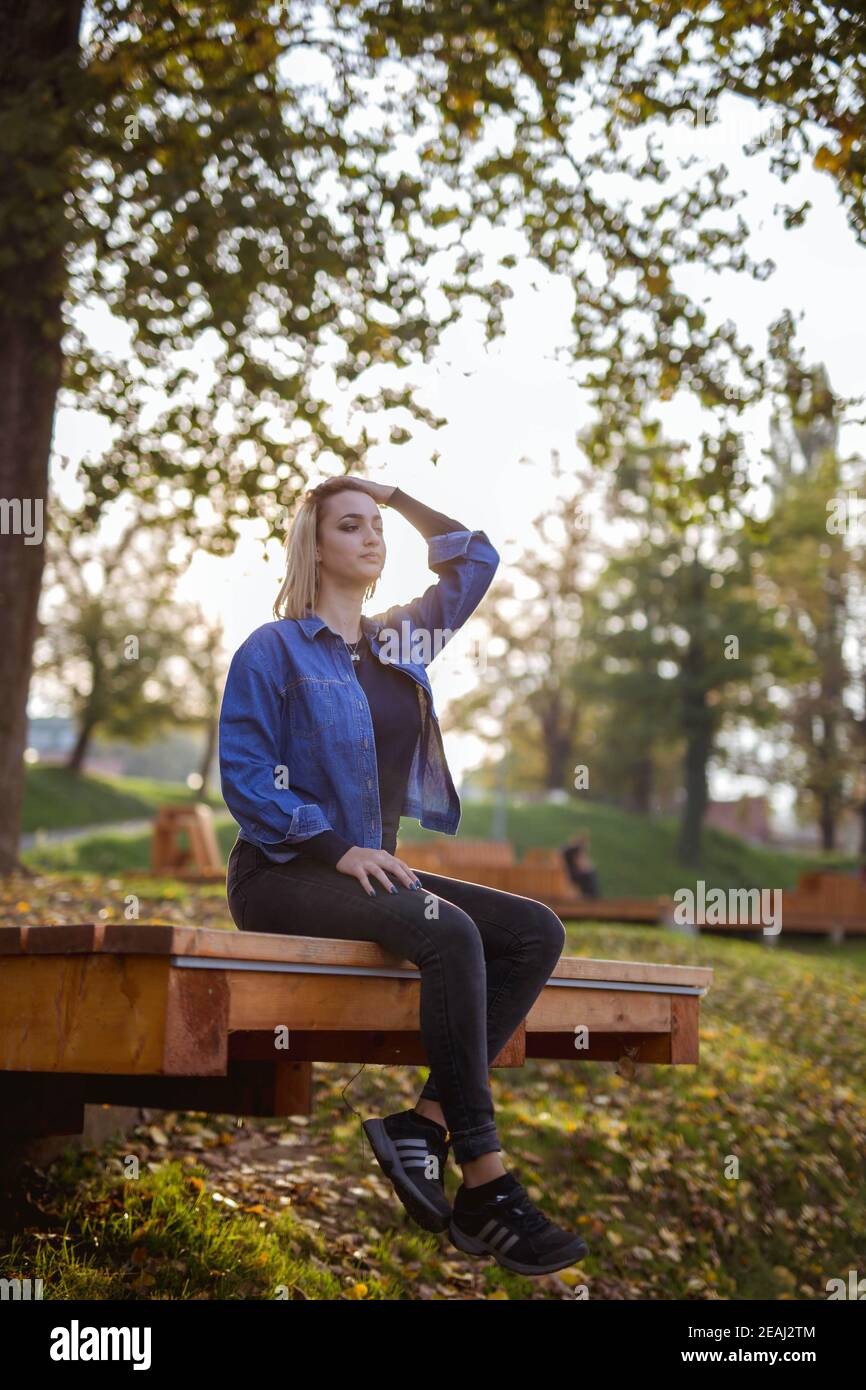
x=364, y=864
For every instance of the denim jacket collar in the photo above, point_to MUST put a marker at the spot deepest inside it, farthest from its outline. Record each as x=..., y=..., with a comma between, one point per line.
x=313, y=625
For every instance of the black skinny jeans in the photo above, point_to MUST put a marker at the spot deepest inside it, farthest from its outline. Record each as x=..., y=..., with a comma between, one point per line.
x=483, y=961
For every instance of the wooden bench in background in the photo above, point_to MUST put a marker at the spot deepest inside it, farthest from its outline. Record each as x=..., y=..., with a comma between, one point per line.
x=540, y=874
x=830, y=904
x=199, y=860
x=822, y=904
x=826, y=902
x=185, y=1018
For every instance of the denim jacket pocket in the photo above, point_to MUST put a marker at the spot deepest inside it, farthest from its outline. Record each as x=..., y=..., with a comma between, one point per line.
x=312, y=708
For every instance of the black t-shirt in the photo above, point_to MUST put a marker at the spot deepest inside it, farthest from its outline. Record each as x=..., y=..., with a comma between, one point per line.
x=393, y=697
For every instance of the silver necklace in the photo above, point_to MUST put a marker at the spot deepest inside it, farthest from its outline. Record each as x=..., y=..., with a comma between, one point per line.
x=352, y=648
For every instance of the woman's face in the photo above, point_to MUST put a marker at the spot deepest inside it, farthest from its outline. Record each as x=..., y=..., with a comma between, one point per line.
x=351, y=545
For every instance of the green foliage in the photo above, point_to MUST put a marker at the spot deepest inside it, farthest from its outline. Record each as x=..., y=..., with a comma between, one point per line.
x=184, y=168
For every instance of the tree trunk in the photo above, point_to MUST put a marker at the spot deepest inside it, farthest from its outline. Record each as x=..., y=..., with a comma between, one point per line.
x=35, y=35
x=559, y=773
x=642, y=786
x=558, y=738
x=79, y=752
x=829, y=647
x=697, y=726
x=690, y=844
x=827, y=822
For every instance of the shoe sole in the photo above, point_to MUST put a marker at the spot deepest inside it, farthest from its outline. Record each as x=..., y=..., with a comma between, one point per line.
x=421, y=1208
x=471, y=1245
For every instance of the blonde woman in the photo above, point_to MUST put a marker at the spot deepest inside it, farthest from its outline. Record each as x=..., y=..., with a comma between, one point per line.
x=328, y=734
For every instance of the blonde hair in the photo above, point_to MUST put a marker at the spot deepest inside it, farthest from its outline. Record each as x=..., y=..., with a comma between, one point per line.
x=299, y=593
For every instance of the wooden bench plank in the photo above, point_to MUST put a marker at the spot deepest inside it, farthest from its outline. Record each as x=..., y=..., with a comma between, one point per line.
x=215, y=944
x=112, y=1013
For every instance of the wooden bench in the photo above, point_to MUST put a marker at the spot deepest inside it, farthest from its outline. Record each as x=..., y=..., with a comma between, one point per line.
x=822, y=904
x=199, y=861
x=190, y=1018
x=544, y=858
x=541, y=874
x=829, y=903
x=489, y=853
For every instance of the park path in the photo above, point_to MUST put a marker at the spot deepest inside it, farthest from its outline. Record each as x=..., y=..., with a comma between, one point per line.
x=81, y=832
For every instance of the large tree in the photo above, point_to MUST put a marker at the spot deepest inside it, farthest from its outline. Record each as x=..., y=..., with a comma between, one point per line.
x=679, y=607
x=116, y=650
x=269, y=184
x=813, y=571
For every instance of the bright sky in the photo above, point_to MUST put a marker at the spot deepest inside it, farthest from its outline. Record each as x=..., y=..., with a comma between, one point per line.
x=511, y=404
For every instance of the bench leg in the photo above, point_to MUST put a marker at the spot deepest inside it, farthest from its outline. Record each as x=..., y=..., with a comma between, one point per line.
x=684, y=1028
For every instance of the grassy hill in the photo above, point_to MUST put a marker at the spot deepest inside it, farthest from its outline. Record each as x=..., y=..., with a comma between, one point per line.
x=55, y=799
x=634, y=855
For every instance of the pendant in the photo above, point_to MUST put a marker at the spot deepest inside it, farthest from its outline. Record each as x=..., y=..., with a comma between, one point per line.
x=356, y=656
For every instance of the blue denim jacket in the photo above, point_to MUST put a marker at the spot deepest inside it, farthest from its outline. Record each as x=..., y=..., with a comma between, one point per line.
x=296, y=744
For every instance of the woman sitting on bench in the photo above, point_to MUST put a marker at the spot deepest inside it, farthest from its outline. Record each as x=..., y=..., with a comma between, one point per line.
x=581, y=869
x=328, y=734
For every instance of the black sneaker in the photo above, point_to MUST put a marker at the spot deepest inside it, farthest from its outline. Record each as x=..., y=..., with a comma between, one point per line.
x=508, y=1227
x=413, y=1150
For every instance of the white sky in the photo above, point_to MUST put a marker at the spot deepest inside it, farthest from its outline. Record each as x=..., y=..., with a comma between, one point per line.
x=512, y=403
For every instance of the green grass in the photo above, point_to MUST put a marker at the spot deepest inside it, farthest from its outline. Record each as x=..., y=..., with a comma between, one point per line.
x=738, y=1178
x=635, y=856
x=55, y=799
x=113, y=852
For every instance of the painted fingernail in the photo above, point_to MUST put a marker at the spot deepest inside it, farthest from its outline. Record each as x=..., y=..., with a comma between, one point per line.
x=392, y=888
x=372, y=893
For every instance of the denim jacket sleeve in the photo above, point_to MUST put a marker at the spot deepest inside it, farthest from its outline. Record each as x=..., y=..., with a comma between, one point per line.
x=254, y=784
x=466, y=562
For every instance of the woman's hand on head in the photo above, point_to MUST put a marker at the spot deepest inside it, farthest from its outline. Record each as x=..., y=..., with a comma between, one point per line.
x=380, y=492
x=366, y=864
